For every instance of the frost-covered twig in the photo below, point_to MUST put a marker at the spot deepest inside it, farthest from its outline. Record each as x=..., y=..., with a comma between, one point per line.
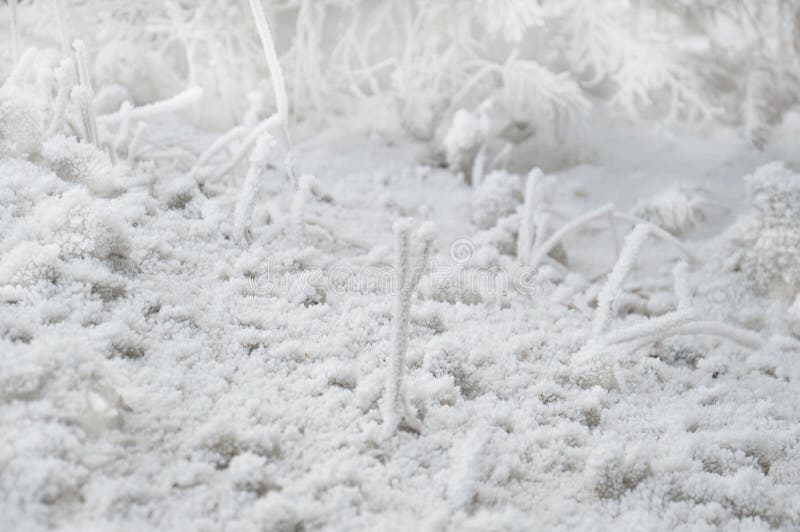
x=276, y=73
x=393, y=401
x=660, y=233
x=244, y=207
x=63, y=76
x=178, y=102
x=541, y=251
x=683, y=292
x=395, y=406
x=606, y=298
x=84, y=94
x=133, y=146
x=62, y=14
x=525, y=234
x=14, y=30
x=304, y=190
x=247, y=143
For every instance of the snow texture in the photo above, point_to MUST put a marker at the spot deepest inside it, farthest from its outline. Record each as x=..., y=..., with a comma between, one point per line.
x=415, y=310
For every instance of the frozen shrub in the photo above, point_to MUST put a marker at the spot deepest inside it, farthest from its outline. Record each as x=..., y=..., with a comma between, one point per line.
x=496, y=197
x=678, y=209
x=82, y=163
x=21, y=126
x=769, y=236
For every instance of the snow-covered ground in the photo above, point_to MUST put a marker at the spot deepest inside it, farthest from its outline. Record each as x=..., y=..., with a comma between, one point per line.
x=456, y=280
x=157, y=375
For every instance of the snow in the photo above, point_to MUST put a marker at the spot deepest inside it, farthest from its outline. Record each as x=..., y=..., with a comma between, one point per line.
x=206, y=329
x=146, y=384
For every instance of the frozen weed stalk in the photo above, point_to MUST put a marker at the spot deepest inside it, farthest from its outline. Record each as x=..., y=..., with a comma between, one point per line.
x=244, y=207
x=396, y=409
x=278, y=85
x=594, y=364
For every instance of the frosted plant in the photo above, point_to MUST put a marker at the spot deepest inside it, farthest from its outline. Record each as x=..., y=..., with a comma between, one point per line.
x=244, y=206
x=768, y=238
x=594, y=363
x=462, y=142
x=82, y=95
x=510, y=19
x=526, y=231
x=613, y=286
x=14, y=29
x=533, y=94
x=21, y=125
x=83, y=163
x=82, y=227
x=683, y=291
x=678, y=209
x=276, y=74
x=535, y=218
x=176, y=103
x=396, y=409
x=63, y=77
x=305, y=190
x=133, y=145
x=606, y=211
x=62, y=15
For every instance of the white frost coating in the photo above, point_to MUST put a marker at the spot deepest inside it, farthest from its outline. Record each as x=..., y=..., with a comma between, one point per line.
x=244, y=207
x=62, y=15
x=278, y=85
x=660, y=233
x=605, y=300
x=462, y=141
x=393, y=399
x=683, y=292
x=178, y=102
x=245, y=146
x=14, y=30
x=395, y=406
x=275, y=70
x=678, y=209
x=63, y=77
x=540, y=252
x=136, y=140
x=468, y=469
x=86, y=94
x=525, y=235
x=768, y=236
x=303, y=192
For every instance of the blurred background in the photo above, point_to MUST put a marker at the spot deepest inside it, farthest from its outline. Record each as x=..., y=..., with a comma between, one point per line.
x=524, y=71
